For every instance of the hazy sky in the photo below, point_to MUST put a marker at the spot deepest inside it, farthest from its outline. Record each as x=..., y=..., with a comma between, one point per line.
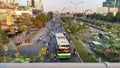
x=58, y=5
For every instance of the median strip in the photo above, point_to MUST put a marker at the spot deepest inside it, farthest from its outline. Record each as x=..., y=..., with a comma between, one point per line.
x=82, y=51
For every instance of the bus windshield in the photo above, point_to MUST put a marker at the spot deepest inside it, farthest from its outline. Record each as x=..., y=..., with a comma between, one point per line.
x=64, y=49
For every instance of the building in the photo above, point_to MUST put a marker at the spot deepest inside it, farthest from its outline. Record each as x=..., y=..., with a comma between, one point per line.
x=37, y=4
x=106, y=10
x=88, y=12
x=29, y=3
x=33, y=3
x=102, y=10
x=112, y=3
x=18, y=13
x=2, y=5
x=8, y=1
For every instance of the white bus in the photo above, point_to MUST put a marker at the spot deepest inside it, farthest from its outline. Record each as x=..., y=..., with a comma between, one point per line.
x=63, y=46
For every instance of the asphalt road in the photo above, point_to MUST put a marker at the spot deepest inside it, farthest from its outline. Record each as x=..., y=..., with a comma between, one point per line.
x=46, y=33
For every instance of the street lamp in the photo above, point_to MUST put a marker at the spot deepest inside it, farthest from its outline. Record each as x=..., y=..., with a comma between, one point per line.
x=76, y=7
x=76, y=4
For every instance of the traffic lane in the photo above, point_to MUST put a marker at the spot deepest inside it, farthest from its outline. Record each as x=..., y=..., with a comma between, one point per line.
x=52, y=48
x=33, y=50
x=74, y=58
x=29, y=50
x=59, y=28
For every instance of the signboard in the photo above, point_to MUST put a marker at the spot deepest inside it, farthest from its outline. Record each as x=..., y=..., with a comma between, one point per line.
x=9, y=20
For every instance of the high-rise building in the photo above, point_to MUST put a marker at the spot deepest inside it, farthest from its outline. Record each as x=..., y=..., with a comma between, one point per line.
x=29, y=3
x=33, y=3
x=37, y=4
x=8, y=1
x=112, y=3
x=40, y=5
x=106, y=10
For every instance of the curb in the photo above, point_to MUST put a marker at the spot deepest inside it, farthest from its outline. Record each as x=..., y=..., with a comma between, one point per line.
x=85, y=47
x=77, y=52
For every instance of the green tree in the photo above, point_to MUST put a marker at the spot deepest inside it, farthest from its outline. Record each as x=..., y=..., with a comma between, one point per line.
x=40, y=20
x=4, y=40
x=74, y=28
x=118, y=17
x=50, y=15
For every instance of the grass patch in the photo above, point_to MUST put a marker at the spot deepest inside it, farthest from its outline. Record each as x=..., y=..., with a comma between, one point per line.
x=83, y=52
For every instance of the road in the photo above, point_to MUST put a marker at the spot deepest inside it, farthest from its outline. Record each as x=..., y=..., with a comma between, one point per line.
x=46, y=33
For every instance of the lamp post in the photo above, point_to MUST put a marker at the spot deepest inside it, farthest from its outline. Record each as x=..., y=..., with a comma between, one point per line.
x=76, y=7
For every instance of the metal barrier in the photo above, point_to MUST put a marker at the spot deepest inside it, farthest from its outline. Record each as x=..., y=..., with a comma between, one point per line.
x=60, y=65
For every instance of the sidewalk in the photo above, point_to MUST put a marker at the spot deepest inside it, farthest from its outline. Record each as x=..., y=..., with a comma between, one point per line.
x=22, y=38
x=40, y=33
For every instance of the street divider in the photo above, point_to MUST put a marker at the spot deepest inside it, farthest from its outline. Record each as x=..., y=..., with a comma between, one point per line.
x=82, y=51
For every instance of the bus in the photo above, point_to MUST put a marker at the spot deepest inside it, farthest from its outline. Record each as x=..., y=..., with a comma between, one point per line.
x=63, y=46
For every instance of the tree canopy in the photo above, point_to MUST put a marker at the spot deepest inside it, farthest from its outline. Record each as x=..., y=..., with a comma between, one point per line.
x=50, y=15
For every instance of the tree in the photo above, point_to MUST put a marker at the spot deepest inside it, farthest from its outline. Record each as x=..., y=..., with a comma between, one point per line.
x=118, y=17
x=74, y=28
x=40, y=20
x=4, y=40
x=50, y=15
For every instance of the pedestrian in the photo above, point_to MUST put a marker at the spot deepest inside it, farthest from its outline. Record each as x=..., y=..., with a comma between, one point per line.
x=74, y=52
x=47, y=51
x=55, y=59
x=49, y=43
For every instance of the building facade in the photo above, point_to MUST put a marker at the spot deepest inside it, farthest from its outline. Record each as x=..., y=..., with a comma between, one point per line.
x=112, y=3
x=88, y=12
x=37, y=4
x=7, y=1
x=106, y=10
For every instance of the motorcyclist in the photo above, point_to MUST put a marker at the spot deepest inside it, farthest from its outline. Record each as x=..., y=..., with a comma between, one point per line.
x=40, y=38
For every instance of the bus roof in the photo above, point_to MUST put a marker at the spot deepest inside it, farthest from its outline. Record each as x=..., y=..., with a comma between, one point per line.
x=61, y=39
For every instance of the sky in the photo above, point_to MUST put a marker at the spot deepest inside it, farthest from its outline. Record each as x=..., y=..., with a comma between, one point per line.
x=58, y=5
